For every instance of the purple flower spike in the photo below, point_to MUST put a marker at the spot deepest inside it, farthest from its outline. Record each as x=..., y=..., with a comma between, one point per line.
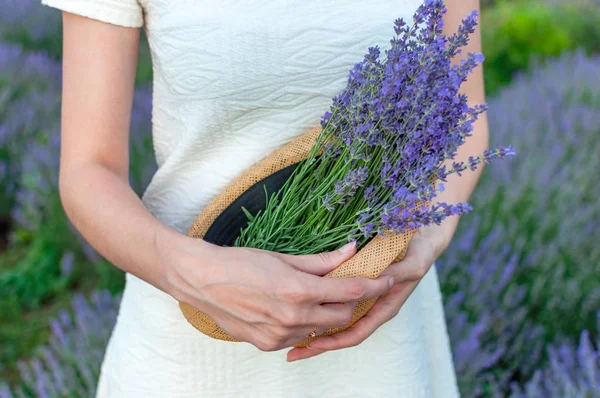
x=69, y=365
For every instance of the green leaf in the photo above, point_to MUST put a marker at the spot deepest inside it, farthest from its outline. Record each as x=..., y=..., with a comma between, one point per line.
x=248, y=214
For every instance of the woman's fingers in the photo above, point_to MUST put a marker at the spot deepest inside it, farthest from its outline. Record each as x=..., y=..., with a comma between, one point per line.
x=326, y=290
x=341, y=290
x=384, y=309
x=415, y=264
x=407, y=270
x=321, y=263
x=326, y=316
x=321, y=318
x=303, y=353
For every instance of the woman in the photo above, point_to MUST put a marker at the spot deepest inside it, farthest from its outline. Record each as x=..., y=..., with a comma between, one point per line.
x=233, y=81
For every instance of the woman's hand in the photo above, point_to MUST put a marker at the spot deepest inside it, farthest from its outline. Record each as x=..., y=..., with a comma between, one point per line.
x=424, y=248
x=268, y=299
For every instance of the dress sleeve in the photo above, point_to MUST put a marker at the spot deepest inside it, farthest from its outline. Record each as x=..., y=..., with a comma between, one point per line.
x=127, y=13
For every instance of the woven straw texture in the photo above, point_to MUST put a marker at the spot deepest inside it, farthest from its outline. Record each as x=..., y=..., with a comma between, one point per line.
x=368, y=262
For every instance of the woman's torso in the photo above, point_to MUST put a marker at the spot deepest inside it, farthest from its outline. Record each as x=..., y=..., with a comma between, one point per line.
x=233, y=81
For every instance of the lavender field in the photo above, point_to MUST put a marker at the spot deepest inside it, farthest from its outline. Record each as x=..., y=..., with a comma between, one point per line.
x=521, y=279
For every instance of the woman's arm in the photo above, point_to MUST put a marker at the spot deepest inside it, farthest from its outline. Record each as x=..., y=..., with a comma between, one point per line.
x=99, y=64
x=268, y=299
x=429, y=242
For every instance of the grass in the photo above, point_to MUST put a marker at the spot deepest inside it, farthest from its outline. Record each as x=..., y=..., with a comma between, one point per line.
x=21, y=332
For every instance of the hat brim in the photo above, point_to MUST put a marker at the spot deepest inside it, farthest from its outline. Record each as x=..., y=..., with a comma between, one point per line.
x=221, y=220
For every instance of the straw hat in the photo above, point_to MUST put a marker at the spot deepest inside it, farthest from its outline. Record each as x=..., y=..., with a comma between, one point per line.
x=222, y=218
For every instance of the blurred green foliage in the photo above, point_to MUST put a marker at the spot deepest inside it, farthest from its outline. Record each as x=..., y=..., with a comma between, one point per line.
x=51, y=42
x=38, y=276
x=144, y=67
x=24, y=329
x=515, y=33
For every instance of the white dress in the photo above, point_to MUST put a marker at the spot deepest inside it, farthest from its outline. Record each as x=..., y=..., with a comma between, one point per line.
x=233, y=81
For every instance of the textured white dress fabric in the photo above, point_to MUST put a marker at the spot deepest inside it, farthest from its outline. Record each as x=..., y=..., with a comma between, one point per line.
x=233, y=81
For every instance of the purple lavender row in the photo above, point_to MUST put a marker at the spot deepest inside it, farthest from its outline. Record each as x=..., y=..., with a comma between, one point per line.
x=524, y=272
x=27, y=19
x=30, y=138
x=573, y=371
x=69, y=365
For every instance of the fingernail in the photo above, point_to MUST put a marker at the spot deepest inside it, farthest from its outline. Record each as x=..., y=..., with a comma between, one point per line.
x=391, y=281
x=347, y=248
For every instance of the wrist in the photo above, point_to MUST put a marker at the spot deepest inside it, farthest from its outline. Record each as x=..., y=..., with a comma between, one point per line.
x=441, y=235
x=181, y=259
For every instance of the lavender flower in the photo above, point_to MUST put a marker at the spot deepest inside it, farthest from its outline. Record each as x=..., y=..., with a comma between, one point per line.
x=38, y=186
x=69, y=364
x=486, y=311
x=29, y=100
x=29, y=155
x=66, y=264
x=345, y=188
x=573, y=371
x=5, y=391
x=414, y=87
x=27, y=71
x=543, y=199
x=26, y=21
x=389, y=132
x=522, y=273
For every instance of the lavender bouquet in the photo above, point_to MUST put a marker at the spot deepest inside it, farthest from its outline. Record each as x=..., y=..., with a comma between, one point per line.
x=382, y=153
